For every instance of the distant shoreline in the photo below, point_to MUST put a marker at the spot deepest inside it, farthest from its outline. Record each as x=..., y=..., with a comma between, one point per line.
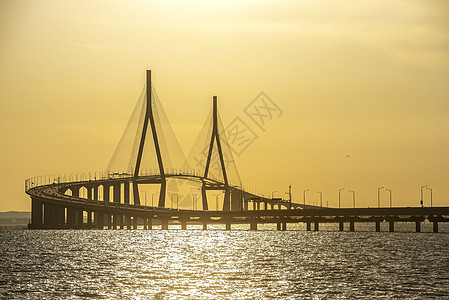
x=14, y=218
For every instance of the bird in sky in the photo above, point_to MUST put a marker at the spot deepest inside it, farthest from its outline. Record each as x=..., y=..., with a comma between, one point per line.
x=348, y=155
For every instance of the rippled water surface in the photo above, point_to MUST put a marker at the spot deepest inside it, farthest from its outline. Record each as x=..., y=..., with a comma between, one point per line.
x=218, y=264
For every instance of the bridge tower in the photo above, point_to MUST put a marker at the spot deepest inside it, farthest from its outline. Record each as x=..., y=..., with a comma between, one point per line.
x=149, y=117
x=215, y=138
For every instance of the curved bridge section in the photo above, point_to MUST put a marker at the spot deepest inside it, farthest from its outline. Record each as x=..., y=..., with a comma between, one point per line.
x=53, y=208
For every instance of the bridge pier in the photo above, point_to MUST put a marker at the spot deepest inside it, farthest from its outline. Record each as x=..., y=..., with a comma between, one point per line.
x=164, y=223
x=116, y=190
x=279, y=226
x=341, y=226
x=391, y=223
x=284, y=226
x=109, y=221
x=100, y=219
x=317, y=226
x=134, y=222
x=183, y=224
x=126, y=192
x=351, y=226
x=36, y=213
x=377, y=226
x=89, y=192
x=435, y=226
x=89, y=218
x=115, y=222
x=253, y=225
x=75, y=191
x=105, y=192
x=228, y=225
x=418, y=226
x=95, y=191
x=128, y=222
x=121, y=222
x=308, y=226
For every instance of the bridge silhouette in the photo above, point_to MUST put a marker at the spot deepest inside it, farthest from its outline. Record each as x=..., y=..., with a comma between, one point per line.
x=149, y=154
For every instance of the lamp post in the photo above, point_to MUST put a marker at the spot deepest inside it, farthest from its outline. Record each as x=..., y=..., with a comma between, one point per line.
x=321, y=198
x=378, y=195
x=422, y=196
x=353, y=198
x=431, y=200
x=272, y=194
x=339, y=197
x=304, y=195
x=389, y=191
x=145, y=193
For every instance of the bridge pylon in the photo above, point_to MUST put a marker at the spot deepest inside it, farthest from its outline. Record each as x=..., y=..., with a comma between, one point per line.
x=215, y=138
x=149, y=118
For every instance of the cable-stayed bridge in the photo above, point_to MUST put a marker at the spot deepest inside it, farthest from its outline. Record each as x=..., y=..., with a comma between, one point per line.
x=149, y=154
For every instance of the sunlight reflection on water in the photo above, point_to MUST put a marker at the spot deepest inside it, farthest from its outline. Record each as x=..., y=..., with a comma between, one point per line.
x=215, y=264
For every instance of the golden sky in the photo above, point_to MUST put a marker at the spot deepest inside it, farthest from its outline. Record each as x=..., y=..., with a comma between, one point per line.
x=366, y=78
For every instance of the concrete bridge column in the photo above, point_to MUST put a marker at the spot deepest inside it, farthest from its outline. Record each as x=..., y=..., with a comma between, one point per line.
x=99, y=216
x=95, y=190
x=253, y=224
x=164, y=223
x=317, y=226
x=435, y=226
x=106, y=193
x=117, y=191
x=75, y=191
x=341, y=226
x=377, y=226
x=49, y=215
x=284, y=226
x=228, y=225
x=278, y=225
x=89, y=218
x=109, y=216
x=134, y=222
x=245, y=204
x=128, y=222
x=204, y=221
x=351, y=226
x=36, y=213
x=418, y=226
x=308, y=226
x=150, y=224
x=391, y=226
x=257, y=205
x=126, y=192
x=60, y=216
x=122, y=223
x=89, y=192
x=71, y=217
x=183, y=224
x=114, y=221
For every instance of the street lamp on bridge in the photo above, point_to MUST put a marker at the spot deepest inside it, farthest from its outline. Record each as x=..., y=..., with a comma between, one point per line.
x=304, y=195
x=422, y=196
x=431, y=200
x=389, y=191
x=272, y=194
x=321, y=198
x=378, y=195
x=353, y=198
x=339, y=197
